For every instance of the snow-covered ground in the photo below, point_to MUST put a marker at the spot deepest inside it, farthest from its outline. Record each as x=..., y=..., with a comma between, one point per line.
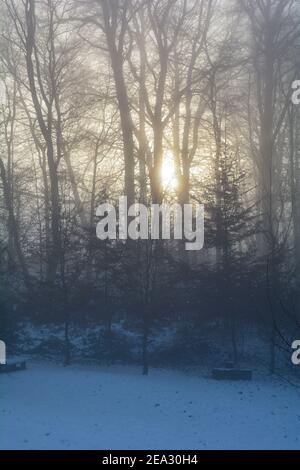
x=87, y=407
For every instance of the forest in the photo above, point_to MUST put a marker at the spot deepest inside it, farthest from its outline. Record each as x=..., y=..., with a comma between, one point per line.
x=161, y=101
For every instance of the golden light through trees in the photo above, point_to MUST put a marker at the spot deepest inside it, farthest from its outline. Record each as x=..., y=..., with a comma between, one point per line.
x=169, y=179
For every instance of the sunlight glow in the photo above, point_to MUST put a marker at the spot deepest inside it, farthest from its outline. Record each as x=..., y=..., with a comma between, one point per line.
x=168, y=173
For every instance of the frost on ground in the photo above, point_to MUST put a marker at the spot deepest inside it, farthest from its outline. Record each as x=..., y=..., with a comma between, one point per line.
x=86, y=407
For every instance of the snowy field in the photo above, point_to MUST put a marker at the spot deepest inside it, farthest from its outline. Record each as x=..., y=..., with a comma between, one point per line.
x=87, y=407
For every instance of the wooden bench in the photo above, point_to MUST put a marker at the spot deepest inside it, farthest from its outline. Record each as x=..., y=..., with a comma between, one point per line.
x=12, y=366
x=232, y=374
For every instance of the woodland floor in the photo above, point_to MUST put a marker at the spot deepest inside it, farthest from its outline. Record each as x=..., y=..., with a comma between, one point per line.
x=88, y=407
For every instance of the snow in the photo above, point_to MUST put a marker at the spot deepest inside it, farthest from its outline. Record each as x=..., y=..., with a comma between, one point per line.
x=88, y=407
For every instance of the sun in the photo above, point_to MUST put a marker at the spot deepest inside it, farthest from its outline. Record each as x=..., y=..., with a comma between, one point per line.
x=168, y=173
